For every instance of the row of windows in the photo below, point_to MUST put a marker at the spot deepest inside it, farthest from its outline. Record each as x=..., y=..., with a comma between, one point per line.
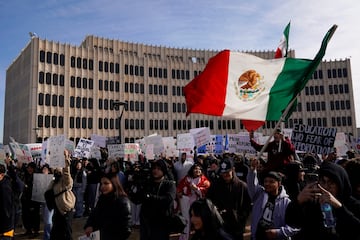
x=178, y=91
x=341, y=121
x=314, y=90
x=337, y=105
x=107, y=123
x=339, y=88
x=331, y=73
x=315, y=106
x=179, y=107
x=134, y=88
x=134, y=70
x=82, y=62
x=49, y=78
x=158, y=72
x=51, y=100
x=158, y=107
x=77, y=122
x=107, y=85
x=159, y=124
x=135, y=124
x=337, y=73
x=79, y=102
x=158, y=89
x=180, y=74
x=106, y=67
x=81, y=82
x=52, y=58
x=50, y=121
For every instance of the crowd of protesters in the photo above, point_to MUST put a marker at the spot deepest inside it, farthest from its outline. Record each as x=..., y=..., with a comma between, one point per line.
x=216, y=194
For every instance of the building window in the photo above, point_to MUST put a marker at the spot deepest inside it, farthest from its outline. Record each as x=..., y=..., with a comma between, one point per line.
x=47, y=99
x=78, y=62
x=91, y=83
x=100, y=84
x=90, y=103
x=90, y=123
x=62, y=80
x=48, y=78
x=100, y=66
x=77, y=122
x=47, y=121
x=53, y=121
x=41, y=99
x=41, y=77
x=62, y=59
x=61, y=100
x=83, y=123
x=84, y=83
x=78, y=102
x=85, y=63
x=48, y=57
x=100, y=123
x=72, y=81
x=72, y=62
x=42, y=56
x=91, y=64
x=40, y=120
x=78, y=82
x=61, y=122
x=72, y=101
x=72, y=122
x=54, y=100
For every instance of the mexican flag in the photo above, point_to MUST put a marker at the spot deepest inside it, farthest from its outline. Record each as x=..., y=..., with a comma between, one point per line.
x=282, y=49
x=280, y=52
x=242, y=86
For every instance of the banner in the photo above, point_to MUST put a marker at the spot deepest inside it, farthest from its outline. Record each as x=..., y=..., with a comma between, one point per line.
x=313, y=139
x=201, y=136
x=83, y=148
x=55, y=151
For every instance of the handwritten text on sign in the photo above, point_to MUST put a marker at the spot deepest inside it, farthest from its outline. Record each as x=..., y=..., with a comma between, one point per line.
x=313, y=139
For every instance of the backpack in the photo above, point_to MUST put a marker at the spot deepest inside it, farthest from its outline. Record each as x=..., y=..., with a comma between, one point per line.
x=50, y=198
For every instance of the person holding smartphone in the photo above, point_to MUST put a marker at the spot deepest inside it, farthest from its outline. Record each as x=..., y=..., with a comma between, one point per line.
x=334, y=189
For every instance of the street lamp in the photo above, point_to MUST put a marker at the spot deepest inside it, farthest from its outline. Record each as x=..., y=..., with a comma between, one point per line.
x=117, y=104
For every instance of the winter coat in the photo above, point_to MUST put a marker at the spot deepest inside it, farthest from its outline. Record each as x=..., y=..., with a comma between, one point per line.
x=65, y=202
x=6, y=205
x=112, y=216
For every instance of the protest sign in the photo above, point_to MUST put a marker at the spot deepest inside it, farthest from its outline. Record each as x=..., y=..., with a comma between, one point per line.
x=157, y=142
x=99, y=141
x=131, y=152
x=313, y=139
x=170, y=147
x=55, y=151
x=201, y=136
x=185, y=141
x=40, y=184
x=116, y=150
x=83, y=148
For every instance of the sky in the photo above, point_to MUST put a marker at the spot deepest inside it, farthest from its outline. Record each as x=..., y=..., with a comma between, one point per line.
x=253, y=25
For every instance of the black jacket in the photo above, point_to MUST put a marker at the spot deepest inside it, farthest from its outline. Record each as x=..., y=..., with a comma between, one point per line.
x=233, y=202
x=309, y=218
x=112, y=216
x=6, y=205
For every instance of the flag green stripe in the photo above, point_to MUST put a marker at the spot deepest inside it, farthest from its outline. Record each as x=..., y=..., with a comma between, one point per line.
x=284, y=87
x=296, y=73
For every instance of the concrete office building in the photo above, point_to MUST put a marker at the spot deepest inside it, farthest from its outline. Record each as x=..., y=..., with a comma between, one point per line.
x=55, y=88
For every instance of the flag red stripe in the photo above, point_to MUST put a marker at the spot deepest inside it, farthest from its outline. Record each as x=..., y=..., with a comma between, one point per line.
x=206, y=93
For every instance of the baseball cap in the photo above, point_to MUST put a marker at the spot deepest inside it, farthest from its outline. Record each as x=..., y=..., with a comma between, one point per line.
x=275, y=175
x=226, y=165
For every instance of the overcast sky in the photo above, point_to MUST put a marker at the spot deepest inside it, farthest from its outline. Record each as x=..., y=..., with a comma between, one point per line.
x=199, y=24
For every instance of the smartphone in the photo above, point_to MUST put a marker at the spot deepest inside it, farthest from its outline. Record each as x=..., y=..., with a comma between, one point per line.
x=311, y=178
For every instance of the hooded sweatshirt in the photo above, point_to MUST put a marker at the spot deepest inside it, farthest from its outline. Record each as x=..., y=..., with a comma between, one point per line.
x=259, y=198
x=309, y=218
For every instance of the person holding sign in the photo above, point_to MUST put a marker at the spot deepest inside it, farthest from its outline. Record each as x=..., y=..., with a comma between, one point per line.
x=280, y=151
x=65, y=202
x=112, y=213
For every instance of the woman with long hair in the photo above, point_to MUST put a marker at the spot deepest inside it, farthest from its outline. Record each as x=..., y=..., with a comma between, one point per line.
x=112, y=213
x=207, y=221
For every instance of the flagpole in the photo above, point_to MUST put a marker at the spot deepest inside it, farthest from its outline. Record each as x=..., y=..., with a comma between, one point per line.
x=282, y=118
